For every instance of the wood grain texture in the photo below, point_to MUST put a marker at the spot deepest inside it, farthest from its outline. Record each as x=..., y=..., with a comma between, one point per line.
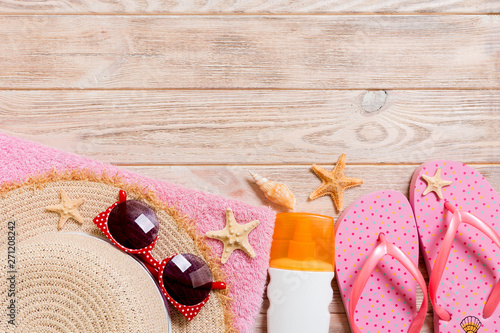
x=259, y=127
x=236, y=182
x=247, y=7
x=297, y=52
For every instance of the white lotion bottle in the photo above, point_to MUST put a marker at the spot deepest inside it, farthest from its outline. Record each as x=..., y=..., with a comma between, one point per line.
x=301, y=271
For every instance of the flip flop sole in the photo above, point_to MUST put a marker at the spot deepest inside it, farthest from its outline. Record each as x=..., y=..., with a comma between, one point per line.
x=474, y=263
x=388, y=301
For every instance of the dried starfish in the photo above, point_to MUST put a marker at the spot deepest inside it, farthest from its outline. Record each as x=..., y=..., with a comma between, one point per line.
x=67, y=209
x=334, y=182
x=435, y=184
x=234, y=236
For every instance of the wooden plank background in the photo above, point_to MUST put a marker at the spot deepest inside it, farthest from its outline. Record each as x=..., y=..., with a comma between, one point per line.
x=247, y=7
x=250, y=51
x=200, y=92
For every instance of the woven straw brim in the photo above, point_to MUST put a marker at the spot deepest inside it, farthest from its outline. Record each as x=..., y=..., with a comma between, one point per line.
x=78, y=283
x=74, y=283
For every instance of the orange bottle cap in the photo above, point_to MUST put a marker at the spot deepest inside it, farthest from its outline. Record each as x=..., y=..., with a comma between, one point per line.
x=303, y=241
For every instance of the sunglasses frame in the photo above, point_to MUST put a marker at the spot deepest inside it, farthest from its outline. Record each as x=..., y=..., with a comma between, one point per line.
x=156, y=267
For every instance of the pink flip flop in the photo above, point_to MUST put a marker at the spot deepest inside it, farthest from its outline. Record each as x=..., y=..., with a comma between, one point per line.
x=456, y=210
x=379, y=291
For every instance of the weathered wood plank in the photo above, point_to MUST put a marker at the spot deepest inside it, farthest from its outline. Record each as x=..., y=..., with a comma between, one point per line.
x=247, y=7
x=320, y=52
x=236, y=182
x=259, y=127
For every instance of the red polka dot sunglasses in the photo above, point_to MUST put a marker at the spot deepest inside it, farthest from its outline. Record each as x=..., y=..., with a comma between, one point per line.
x=184, y=279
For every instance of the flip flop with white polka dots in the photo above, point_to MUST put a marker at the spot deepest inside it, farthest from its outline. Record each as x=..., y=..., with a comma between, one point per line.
x=376, y=257
x=457, y=213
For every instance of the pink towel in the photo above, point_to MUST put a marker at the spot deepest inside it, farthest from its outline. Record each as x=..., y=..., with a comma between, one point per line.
x=20, y=159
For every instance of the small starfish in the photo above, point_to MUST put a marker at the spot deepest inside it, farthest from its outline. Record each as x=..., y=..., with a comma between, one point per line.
x=435, y=184
x=67, y=209
x=234, y=236
x=334, y=182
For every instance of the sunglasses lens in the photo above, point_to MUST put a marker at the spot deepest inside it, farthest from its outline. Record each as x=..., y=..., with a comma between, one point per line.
x=187, y=279
x=133, y=224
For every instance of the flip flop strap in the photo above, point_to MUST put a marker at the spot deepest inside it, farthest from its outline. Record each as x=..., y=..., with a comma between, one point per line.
x=444, y=252
x=386, y=247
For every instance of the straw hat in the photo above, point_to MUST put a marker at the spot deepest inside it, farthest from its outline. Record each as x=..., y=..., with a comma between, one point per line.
x=70, y=280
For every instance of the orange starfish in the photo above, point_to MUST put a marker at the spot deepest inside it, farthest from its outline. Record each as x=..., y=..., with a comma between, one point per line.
x=334, y=182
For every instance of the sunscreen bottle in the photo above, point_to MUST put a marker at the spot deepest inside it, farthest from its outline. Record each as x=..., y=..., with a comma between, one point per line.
x=301, y=270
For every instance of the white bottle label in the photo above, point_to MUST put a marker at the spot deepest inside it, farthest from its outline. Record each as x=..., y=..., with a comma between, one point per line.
x=299, y=301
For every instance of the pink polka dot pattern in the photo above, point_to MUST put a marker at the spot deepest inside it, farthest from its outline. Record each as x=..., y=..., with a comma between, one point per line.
x=473, y=266
x=388, y=301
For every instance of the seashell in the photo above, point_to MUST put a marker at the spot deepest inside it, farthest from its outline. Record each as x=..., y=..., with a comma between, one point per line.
x=471, y=324
x=276, y=192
